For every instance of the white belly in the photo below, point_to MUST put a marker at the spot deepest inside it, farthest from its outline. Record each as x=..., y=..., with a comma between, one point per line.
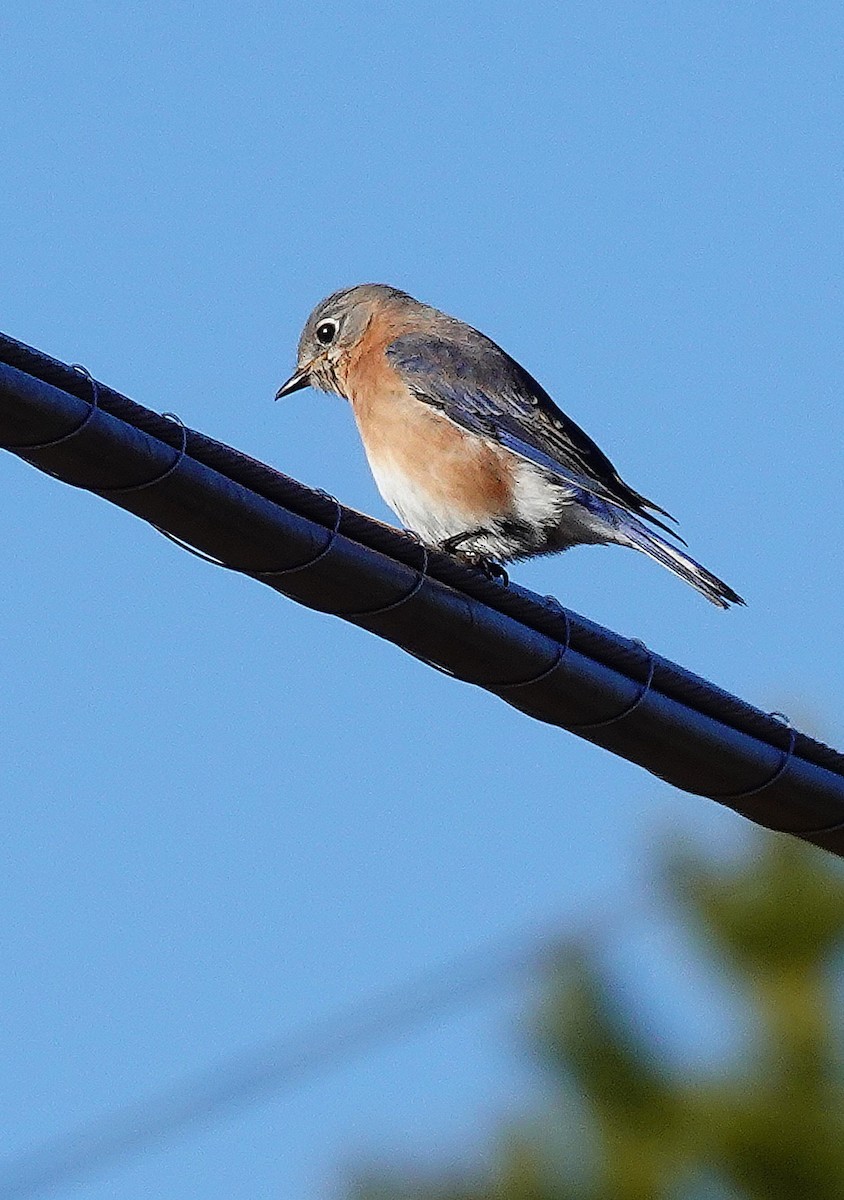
x=419, y=510
x=543, y=506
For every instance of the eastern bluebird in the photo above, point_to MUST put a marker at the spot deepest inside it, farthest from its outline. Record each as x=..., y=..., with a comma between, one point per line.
x=465, y=445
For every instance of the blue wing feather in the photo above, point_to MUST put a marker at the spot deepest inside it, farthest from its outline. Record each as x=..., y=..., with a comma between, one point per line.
x=477, y=385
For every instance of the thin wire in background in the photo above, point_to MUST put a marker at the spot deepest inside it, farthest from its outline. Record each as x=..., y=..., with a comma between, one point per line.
x=282, y=1064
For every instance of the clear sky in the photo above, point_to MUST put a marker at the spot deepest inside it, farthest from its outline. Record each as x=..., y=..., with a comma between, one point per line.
x=225, y=815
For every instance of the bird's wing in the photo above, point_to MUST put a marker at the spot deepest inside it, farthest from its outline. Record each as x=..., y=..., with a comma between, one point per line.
x=475, y=384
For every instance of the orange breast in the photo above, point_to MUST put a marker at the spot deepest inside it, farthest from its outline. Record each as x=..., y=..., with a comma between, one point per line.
x=403, y=436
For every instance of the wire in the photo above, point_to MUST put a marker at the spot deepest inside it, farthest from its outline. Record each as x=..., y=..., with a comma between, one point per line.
x=277, y=1066
x=535, y=655
x=281, y=1065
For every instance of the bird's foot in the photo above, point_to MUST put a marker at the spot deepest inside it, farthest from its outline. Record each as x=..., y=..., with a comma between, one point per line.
x=452, y=544
x=489, y=566
x=473, y=558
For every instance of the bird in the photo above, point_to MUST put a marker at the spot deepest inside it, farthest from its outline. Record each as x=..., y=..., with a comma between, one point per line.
x=467, y=448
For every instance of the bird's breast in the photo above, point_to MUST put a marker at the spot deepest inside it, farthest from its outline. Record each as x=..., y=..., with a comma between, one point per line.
x=439, y=479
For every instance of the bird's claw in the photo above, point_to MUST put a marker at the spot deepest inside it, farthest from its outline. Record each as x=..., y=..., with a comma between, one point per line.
x=488, y=566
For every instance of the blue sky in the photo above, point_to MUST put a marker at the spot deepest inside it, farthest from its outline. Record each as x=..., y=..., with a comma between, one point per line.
x=225, y=815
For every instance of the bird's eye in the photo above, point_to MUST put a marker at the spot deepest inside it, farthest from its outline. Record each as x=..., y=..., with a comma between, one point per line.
x=325, y=332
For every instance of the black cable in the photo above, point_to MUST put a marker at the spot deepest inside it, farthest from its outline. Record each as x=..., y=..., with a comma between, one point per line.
x=537, y=656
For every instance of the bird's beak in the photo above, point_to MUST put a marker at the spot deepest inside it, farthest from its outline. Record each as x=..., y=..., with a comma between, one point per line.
x=299, y=379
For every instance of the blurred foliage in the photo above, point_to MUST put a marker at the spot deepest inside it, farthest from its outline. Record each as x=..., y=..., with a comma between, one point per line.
x=625, y=1124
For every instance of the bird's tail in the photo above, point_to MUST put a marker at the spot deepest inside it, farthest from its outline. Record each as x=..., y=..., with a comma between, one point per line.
x=634, y=533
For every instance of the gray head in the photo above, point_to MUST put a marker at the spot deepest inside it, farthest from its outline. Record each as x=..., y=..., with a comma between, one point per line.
x=334, y=327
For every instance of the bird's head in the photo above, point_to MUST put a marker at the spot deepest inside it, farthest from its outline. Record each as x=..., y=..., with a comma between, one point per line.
x=332, y=331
